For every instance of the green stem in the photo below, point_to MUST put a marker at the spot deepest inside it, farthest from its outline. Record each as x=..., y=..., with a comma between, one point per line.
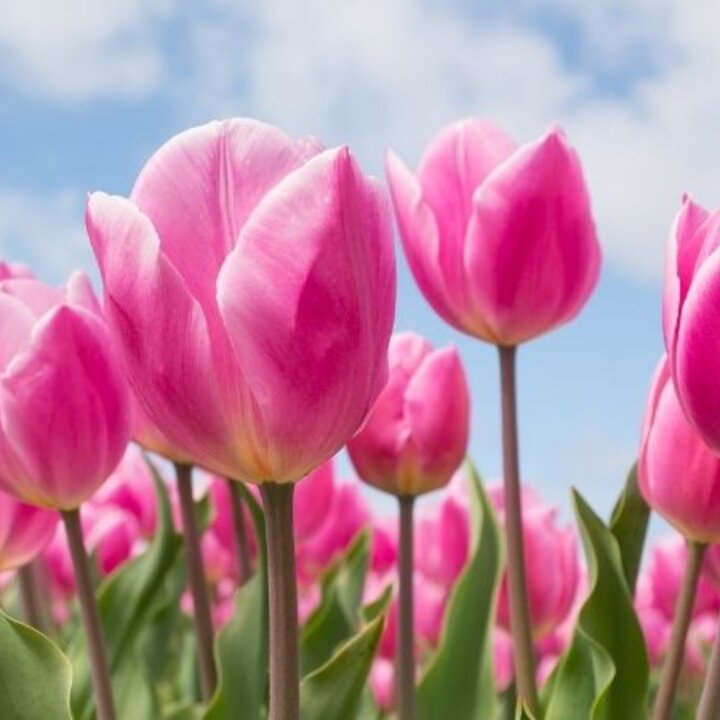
x=30, y=597
x=517, y=584
x=709, y=708
x=405, y=673
x=99, y=668
x=284, y=665
x=198, y=585
x=665, y=698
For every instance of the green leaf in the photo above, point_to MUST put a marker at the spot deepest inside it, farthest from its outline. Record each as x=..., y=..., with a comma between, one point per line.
x=338, y=615
x=604, y=673
x=126, y=601
x=629, y=523
x=459, y=681
x=335, y=690
x=34, y=675
x=242, y=646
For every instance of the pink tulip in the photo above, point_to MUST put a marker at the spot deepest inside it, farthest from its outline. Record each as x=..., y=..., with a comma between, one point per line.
x=678, y=475
x=691, y=303
x=9, y=271
x=313, y=500
x=663, y=578
x=222, y=524
x=112, y=535
x=417, y=432
x=64, y=404
x=442, y=541
x=250, y=282
x=500, y=238
x=382, y=684
x=384, y=552
x=24, y=532
x=131, y=488
x=503, y=663
x=551, y=595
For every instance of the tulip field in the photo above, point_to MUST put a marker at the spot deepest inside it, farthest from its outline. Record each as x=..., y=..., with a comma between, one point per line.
x=180, y=541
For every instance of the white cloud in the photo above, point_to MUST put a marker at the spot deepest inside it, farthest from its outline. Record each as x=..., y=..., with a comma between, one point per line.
x=76, y=49
x=640, y=101
x=45, y=232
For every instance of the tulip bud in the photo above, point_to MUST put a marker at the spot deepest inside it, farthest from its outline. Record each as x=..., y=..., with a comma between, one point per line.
x=417, y=432
x=500, y=239
x=64, y=401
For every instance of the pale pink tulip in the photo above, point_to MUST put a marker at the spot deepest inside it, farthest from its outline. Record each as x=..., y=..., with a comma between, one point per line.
x=382, y=683
x=678, y=474
x=417, y=433
x=64, y=403
x=250, y=282
x=500, y=238
x=24, y=532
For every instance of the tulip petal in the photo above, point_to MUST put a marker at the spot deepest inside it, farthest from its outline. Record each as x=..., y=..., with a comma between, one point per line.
x=37, y=297
x=531, y=247
x=16, y=323
x=320, y=244
x=201, y=186
x=65, y=410
x=455, y=164
x=168, y=355
x=437, y=408
x=697, y=351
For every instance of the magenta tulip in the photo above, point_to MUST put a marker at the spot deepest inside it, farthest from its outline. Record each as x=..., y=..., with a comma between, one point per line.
x=24, y=532
x=64, y=402
x=550, y=594
x=679, y=476
x=500, y=238
x=691, y=307
x=250, y=282
x=417, y=432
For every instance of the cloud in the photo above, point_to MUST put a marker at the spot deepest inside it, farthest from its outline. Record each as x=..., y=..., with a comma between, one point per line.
x=78, y=49
x=45, y=232
x=634, y=86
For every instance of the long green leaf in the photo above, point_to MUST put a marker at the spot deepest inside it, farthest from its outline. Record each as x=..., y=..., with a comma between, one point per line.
x=242, y=647
x=34, y=675
x=126, y=601
x=335, y=690
x=629, y=524
x=459, y=681
x=338, y=615
x=604, y=674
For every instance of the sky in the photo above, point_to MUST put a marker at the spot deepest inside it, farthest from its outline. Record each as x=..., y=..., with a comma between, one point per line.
x=89, y=88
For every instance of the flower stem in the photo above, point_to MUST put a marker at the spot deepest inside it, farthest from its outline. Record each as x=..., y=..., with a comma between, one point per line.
x=241, y=539
x=30, y=596
x=405, y=674
x=284, y=666
x=517, y=585
x=709, y=708
x=196, y=577
x=99, y=668
x=672, y=664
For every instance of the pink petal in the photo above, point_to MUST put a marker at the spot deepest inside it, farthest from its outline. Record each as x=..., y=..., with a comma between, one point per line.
x=531, y=247
x=65, y=411
x=172, y=359
x=200, y=188
x=308, y=300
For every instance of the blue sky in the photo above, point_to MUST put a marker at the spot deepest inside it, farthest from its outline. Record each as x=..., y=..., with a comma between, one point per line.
x=88, y=89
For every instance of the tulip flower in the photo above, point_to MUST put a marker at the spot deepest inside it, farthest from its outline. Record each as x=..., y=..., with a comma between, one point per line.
x=680, y=478
x=413, y=441
x=691, y=298
x=65, y=419
x=550, y=594
x=250, y=284
x=25, y=530
x=502, y=243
